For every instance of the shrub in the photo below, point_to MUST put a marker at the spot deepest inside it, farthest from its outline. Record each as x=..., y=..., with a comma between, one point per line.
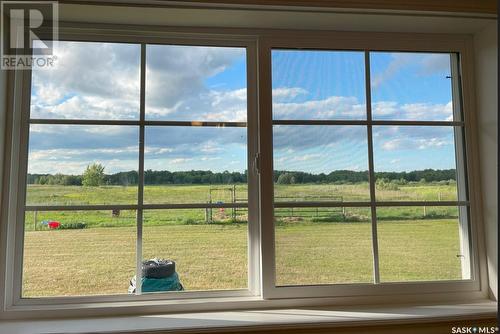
x=386, y=184
x=73, y=226
x=93, y=175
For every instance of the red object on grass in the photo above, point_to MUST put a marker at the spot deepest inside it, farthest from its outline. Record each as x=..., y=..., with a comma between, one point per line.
x=54, y=224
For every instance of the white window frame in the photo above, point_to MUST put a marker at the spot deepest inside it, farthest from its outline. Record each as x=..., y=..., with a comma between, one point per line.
x=262, y=291
x=469, y=262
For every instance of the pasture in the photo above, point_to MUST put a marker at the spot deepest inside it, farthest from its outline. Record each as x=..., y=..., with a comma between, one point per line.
x=312, y=246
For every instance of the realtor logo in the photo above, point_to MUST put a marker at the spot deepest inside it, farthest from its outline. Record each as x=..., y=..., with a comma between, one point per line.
x=29, y=34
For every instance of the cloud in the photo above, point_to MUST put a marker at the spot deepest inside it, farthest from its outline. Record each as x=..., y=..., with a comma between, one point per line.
x=385, y=110
x=169, y=89
x=413, y=138
x=287, y=93
x=111, y=89
x=113, y=81
x=427, y=64
x=333, y=107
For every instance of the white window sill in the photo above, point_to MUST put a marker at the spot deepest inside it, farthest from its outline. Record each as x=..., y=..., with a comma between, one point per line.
x=260, y=319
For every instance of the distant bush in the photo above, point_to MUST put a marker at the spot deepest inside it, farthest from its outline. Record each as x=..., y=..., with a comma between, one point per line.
x=73, y=226
x=386, y=184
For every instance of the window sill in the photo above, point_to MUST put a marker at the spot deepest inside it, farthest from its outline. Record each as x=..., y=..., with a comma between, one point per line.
x=264, y=319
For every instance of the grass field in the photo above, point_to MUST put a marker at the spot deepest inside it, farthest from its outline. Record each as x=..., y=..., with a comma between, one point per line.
x=312, y=247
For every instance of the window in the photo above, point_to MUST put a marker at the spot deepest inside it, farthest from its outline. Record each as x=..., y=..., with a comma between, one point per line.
x=296, y=169
x=112, y=181
x=369, y=168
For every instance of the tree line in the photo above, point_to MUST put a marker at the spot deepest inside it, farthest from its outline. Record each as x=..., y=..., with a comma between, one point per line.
x=94, y=175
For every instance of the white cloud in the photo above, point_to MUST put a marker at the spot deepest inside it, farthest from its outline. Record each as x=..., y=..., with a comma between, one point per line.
x=284, y=93
x=414, y=143
x=413, y=111
x=333, y=107
x=427, y=63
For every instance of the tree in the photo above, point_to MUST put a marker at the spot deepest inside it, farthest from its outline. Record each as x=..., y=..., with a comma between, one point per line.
x=93, y=175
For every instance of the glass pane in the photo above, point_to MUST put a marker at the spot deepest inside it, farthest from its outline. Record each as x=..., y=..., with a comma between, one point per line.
x=186, y=83
x=89, y=81
x=414, y=163
x=419, y=243
x=318, y=85
x=78, y=253
x=82, y=165
x=209, y=247
x=411, y=86
x=323, y=246
x=195, y=165
x=320, y=163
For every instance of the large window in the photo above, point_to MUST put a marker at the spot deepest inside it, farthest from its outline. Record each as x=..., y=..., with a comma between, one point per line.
x=368, y=152
x=137, y=152
x=265, y=168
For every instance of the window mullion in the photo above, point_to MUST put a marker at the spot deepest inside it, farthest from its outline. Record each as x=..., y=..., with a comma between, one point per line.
x=371, y=177
x=140, y=181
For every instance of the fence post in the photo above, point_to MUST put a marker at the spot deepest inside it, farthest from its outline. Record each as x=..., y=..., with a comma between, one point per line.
x=210, y=202
x=425, y=211
x=34, y=220
x=234, y=201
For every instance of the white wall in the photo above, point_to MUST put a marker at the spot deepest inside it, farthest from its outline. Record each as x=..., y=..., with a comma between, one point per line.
x=486, y=55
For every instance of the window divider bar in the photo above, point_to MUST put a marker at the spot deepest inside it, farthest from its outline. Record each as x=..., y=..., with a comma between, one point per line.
x=134, y=206
x=140, y=179
x=288, y=204
x=366, y=122
x=371, y=170
x=195, y=205
x=329, y=204
x=141, y=122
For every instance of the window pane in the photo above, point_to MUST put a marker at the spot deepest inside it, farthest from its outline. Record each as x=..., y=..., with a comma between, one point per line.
x=411, y=86
x=65, y=162
x=185, y=83
x=318, y=85
x=323, y=246
x=415, y=163
x=88, y=81
x=320, y=163
x=78, y=253
x=209, y=247
x=419, y=243
x=195, y=164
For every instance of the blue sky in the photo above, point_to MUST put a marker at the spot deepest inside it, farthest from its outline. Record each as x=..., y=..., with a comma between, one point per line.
x=208, y=83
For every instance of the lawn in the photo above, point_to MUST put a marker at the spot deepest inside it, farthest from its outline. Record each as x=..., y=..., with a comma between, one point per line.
x=313, y=246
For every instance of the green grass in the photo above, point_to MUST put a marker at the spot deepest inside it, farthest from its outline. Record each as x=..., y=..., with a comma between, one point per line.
x=75, y=195
x=313, y=246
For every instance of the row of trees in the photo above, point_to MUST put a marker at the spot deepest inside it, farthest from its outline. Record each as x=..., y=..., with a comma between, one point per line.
x=94, y=175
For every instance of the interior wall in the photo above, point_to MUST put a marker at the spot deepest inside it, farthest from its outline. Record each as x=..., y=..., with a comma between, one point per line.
x=486, y=74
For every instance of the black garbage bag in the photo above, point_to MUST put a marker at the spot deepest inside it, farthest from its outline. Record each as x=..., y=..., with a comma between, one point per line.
x=157, y=275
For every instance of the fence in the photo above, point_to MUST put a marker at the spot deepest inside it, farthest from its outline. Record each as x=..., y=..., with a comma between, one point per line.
x=222, y=195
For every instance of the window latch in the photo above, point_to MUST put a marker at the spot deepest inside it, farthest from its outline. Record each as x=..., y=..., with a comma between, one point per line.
x=256, y=163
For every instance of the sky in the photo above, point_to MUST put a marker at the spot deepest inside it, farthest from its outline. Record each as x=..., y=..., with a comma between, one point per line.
x=191, y=83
